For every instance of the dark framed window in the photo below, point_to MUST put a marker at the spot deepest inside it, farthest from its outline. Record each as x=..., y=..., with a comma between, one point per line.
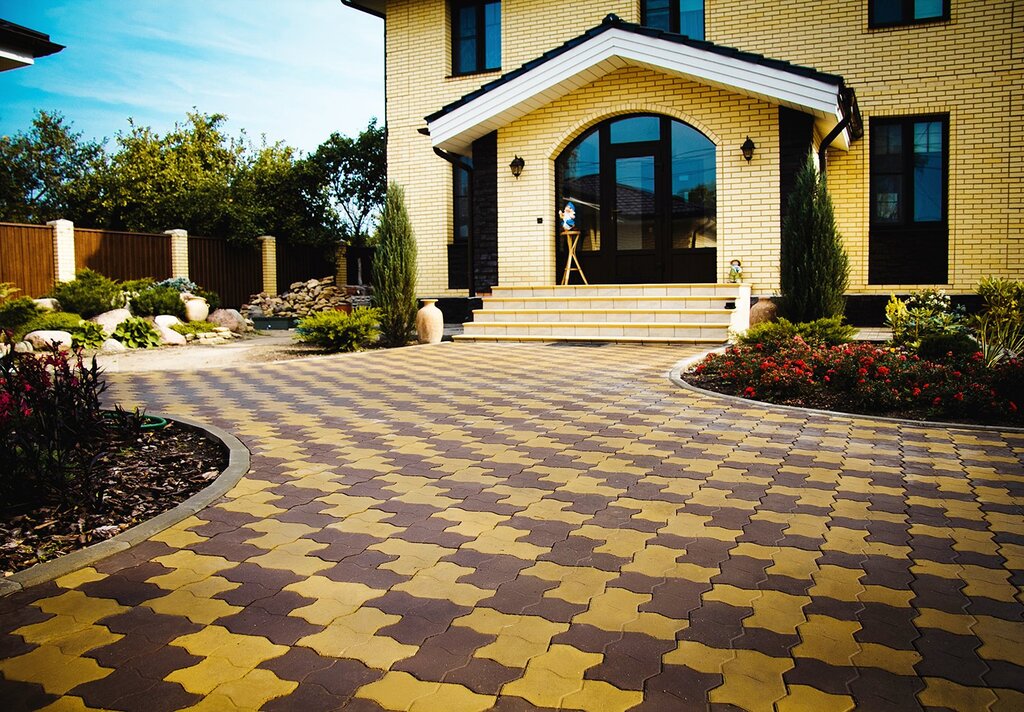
x=685, y=17
x=476, y=36
x=887, y=13
x=460, y=205
x=909, y=227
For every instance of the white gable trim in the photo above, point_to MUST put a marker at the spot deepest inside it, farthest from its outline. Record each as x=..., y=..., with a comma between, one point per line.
x=617, y=48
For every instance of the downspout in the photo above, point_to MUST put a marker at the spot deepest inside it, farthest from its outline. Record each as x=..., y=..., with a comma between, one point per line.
x=826, y=142
x=460, y=162
x=848, y=104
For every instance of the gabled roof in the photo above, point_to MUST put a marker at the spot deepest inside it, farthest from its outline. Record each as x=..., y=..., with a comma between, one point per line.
x=20, y=46
x=616, y=44
x=376, y=8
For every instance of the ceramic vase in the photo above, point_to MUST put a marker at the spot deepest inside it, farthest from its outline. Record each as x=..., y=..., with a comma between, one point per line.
x=429, y=323
x=764, y=310
x=197, y=309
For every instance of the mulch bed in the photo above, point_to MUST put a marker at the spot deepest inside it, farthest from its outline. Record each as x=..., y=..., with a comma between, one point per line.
x=136, y=477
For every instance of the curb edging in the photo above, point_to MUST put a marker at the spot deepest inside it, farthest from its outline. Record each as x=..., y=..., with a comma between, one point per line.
x=239, y=460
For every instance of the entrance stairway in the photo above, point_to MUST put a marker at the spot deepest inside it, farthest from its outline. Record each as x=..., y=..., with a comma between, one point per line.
x=638, y=313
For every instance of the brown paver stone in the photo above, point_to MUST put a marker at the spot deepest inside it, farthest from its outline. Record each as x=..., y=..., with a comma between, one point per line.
x=524, y=527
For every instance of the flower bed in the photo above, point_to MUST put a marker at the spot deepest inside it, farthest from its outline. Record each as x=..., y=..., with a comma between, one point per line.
x=866, y=378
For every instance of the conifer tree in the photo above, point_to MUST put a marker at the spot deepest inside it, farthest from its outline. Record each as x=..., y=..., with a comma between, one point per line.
x=394, y=270
x=814, y=270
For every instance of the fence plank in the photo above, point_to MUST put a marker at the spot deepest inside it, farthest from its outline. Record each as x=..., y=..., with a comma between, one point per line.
x=123, y=255
x=298, y=263
x=234, y=272
x=26, y=258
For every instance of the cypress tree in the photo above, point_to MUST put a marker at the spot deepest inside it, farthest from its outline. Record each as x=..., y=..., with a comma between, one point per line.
x=394, y=270
x=814, y=270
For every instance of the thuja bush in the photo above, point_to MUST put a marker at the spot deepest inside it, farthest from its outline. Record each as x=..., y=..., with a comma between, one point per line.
x=866, y=378
x=49, y=419
x=394, y=271
x=773, y=335
x=158, y=300
x=337, y=331
x=88, y=294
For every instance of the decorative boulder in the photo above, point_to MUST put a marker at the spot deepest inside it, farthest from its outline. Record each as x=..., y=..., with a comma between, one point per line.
x=23, y=347
x=109, y=320
x=230, y=318
x=47, y=304
x=168, y=336
x=44, y=340
x=166, y=320
x=113, y=346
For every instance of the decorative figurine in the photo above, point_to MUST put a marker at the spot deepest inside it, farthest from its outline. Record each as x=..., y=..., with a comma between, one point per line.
x=568, y=216
x=735, y=272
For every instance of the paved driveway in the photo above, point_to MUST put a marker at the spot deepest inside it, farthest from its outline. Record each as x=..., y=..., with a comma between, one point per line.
x=513, y=527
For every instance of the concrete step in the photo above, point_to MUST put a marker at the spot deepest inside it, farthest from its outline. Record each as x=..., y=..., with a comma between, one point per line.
x=607, y=302
x=613, y=290
x=656, y=316
x=609, y=331
x=620, y=340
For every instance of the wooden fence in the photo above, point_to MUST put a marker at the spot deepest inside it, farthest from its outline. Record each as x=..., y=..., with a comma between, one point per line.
x=297, y=263
x=26, y=258
x=232, y=271
x=123, y=255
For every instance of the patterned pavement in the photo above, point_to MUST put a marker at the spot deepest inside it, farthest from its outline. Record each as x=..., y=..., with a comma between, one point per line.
x=521, y=527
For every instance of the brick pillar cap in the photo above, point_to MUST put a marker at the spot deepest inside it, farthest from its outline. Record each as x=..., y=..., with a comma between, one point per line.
x=60, y=221
x=177, y=231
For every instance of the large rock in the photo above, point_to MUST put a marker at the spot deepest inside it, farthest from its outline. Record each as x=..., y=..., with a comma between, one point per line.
x=44, y=340
x=166, y=320
x=113, y=346
x=230, y=318
x=23, y=347
x=110, y=320
x=168, y=336
x=47, y=304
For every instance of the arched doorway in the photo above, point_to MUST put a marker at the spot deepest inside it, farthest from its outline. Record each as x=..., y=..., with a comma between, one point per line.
x=644, y=190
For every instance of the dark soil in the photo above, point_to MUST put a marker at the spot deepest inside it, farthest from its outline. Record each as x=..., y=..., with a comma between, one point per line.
x=136, y=477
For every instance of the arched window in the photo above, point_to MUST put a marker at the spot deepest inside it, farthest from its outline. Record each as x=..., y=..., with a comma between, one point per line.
x=644, y=191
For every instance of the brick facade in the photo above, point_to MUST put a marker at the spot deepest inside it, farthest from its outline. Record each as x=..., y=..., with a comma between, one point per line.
x=964, y=67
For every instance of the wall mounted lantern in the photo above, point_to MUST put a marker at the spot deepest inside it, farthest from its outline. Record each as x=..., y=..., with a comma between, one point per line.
x=748, y=149
x=516, y=166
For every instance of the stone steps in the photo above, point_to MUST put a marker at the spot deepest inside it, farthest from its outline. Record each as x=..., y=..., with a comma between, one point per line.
x=665, y=313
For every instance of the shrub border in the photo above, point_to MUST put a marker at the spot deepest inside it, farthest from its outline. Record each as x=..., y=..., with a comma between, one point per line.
x=239, y=460
x=676, y=376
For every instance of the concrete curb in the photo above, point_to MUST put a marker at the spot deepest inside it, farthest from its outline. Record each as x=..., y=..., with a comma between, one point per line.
x=676, y=376
x=238, y=464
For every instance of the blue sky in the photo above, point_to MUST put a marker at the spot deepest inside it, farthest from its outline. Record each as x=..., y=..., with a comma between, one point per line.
x=294, y=70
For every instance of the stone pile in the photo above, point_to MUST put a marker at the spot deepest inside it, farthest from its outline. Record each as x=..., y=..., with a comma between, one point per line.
x=305, y=298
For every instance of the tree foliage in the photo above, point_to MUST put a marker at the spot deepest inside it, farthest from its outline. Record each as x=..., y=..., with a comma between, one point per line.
x=394, y=270
x=354, y=175
x=814, y=270
x=42, y=169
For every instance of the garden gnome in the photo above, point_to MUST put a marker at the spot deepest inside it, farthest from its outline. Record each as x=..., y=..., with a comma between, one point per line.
x=735, y=272
x=568, y=216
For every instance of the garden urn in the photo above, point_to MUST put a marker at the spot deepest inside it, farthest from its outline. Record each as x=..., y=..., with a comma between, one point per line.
x=197, y=309
x=764, y=310
x=429, y=323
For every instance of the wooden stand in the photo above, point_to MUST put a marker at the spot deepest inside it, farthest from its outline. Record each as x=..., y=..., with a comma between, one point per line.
x=572, y=238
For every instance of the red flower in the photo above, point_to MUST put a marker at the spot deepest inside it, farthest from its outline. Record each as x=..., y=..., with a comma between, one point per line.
x=749, y=392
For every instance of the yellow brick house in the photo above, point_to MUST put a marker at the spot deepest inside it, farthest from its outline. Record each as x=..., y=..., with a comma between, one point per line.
x=675, y=128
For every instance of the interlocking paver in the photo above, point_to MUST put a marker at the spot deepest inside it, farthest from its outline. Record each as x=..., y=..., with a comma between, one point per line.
x=528, y=527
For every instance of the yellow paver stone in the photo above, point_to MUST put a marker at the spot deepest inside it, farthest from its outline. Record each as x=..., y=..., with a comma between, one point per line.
x=940, y=693
x=244, y=651
x=255, y=689
x=828, y=639
x=207, y=675
x=332, y=598
x=55, y=671
x=802, y=698
x=82, y=608
x=77, y=578
x=599, y=696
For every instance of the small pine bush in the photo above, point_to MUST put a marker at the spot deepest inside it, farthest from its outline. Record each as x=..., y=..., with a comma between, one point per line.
x=137, y=333
x=774, y=335
x=16, y=313
x=938, y=347
x=88, y=294
x=338, y=331
x=394, y=271
x=158, y=300
x=84, y=334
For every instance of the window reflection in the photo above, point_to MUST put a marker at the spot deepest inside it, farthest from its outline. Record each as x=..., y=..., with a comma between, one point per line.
x=694, y=194
x=580, y=180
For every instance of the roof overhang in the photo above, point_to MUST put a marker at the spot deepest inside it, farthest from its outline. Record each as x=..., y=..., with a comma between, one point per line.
x=20, y=46
x=617, y=45
x=377, y=8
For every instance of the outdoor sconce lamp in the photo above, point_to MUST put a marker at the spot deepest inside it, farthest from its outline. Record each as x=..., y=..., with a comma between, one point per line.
x=516, y=167
x=748, y=149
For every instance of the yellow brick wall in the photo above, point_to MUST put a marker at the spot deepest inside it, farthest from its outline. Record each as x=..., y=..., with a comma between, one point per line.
x=969, y=67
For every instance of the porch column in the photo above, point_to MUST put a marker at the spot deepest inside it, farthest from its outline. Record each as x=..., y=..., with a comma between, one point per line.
x=179, y=252
x=268, y=245
x=63, y=250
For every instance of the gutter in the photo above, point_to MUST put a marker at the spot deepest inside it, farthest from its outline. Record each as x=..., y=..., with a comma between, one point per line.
x=851, y=120
x=355, y=5
x=462, y=162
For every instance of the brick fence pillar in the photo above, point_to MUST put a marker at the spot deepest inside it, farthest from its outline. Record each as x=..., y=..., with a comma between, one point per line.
x=268, y=243
x=179, y=252
x=341, y=265
x=63, y=250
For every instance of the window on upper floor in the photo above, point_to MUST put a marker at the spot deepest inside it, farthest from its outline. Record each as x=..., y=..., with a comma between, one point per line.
x=909, y=235
x=886, y=13
x=683, y=16
x=476, y=36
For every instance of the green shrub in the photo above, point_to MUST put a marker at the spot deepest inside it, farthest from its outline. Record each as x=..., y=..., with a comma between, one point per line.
x=17, y=312
x=158, y=300
x=814, y=269
x=179, y=284
x=212, y=298
x=925, y=313
x=130, y=288
x=84, y=334
x=773, y=335
x=394, y=271
x=338, y=331
x=1000, y=326
x=7, y=289
x=936, y=347
x=88, y=294
x=194, y=327
x=137, y=333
